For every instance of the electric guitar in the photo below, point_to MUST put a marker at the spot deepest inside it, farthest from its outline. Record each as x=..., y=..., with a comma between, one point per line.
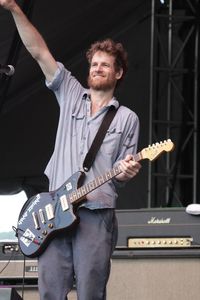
x=47, y=213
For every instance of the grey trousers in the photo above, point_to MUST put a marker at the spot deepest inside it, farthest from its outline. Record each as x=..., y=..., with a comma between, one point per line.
x=82, y=254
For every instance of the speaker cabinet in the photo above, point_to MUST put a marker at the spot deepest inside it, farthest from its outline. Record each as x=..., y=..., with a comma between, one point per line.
x=154, y=279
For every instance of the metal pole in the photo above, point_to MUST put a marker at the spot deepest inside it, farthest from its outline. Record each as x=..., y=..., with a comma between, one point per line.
x=149, y=200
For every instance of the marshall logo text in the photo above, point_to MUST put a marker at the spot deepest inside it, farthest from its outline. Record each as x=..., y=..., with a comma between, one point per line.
x=155, y=220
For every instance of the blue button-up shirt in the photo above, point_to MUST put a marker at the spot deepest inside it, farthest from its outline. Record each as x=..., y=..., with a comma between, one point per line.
x=75, y=134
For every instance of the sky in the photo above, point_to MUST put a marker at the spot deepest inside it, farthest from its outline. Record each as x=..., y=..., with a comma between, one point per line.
x=10, y=207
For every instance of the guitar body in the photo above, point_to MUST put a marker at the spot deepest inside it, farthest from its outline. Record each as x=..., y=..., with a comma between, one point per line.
x=45, y=215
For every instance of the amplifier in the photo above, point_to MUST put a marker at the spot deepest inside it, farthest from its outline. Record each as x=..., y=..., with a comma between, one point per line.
x=14, y=265
x=158, y=228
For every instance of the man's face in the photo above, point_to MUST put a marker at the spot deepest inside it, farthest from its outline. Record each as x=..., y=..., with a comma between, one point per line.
x=102, y=74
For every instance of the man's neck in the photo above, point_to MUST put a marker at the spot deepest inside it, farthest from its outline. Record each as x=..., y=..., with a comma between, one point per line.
x=100, y=99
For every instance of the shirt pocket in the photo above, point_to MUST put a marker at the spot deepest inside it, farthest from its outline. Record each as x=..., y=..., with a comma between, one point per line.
x=77, y=123
x=111, y=141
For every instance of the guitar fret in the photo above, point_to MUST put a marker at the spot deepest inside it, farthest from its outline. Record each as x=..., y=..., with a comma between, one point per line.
x=108, y=175
x=78, y=193
x=116, y=170
x=101, y=179
x=84, y=190
x=87, y=186
x=113, y=172
x=71, y=198
x=73, y=195
x=92, y=185
x=96, y=182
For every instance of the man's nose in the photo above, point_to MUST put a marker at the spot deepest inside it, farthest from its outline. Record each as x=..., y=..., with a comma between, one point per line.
x=99, y=68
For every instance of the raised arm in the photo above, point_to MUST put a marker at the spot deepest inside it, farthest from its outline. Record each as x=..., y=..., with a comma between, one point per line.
x=32, y=39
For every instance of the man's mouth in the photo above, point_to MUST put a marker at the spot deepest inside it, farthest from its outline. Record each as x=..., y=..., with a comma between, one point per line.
x=98, y=75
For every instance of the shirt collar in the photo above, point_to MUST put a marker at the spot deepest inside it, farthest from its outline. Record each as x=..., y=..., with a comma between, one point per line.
x=113, y=101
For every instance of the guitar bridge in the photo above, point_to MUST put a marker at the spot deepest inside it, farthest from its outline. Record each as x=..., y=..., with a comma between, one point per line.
x=42, y=217
x=35, y=220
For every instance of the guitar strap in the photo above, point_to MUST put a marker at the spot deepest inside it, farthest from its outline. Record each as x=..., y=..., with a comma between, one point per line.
x=90, y=157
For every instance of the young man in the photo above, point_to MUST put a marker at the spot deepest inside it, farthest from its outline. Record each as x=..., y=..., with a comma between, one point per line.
x=83, y=253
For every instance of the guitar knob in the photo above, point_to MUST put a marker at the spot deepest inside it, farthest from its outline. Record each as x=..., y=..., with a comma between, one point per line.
x=44, y=232
x=50, y=225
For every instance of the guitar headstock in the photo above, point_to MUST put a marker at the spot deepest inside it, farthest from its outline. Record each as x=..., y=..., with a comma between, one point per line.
x=154, y=150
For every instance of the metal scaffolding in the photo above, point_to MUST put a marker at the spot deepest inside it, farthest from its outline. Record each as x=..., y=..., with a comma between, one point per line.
x=174, y=67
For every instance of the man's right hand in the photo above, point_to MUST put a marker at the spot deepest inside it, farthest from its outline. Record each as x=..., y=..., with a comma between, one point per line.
x=7, y=4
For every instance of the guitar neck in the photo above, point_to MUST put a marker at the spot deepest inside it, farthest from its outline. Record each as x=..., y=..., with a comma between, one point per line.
x=151, y=153
x=79, y=194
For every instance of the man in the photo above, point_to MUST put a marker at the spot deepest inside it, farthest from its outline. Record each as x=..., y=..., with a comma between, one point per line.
x=83, y=253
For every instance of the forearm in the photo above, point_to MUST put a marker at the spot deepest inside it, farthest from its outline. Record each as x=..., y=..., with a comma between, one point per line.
x=32, y=39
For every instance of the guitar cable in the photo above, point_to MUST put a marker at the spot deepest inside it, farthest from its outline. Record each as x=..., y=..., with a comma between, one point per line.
x=16, y=230
x=24, y=265
x=12, y=255
x=23, y=277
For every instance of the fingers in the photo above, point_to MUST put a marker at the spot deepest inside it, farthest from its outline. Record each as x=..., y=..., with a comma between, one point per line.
x=129, y=167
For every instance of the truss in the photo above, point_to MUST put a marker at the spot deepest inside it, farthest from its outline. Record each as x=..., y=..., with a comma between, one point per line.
x=172, y=179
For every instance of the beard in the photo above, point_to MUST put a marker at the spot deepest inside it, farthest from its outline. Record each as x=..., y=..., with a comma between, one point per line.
x=102, y=84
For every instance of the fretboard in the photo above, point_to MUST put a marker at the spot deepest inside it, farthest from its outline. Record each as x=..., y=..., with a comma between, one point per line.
x=77, y=195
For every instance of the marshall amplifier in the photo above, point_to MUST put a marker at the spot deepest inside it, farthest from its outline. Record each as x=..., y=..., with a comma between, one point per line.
x=157, y=255
x=170, y=228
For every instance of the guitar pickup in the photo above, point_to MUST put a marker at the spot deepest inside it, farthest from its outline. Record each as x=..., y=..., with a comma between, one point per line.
x=49, y=211
x=64, y=202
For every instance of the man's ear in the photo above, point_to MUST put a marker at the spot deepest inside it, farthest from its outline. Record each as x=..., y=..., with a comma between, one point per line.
x=119, y=74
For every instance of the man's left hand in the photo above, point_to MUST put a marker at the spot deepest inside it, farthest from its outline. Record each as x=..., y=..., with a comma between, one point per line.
x=129, y=168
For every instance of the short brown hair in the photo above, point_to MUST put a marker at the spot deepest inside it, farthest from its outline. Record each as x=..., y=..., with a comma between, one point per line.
x=115, y=49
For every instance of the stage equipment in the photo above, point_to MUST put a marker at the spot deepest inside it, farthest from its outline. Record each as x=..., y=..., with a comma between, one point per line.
x=13, y=265
x=157, y=255
x=158, y=228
